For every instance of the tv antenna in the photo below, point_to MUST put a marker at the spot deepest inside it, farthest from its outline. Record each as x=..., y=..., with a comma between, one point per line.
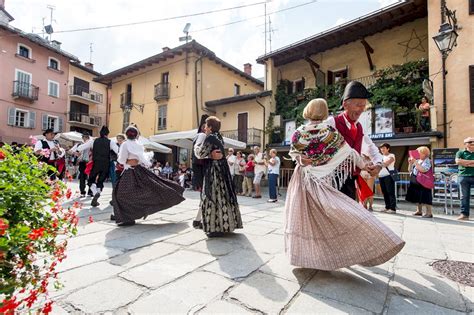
x=186, y=38
x=49, y=28
x=90, y=52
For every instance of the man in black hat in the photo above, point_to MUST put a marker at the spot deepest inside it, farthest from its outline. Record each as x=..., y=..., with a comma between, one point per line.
x=101, y=148
x=49, y=150
x=354, y=102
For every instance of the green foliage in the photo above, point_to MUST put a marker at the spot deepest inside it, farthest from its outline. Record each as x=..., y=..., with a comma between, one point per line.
x=31, y=218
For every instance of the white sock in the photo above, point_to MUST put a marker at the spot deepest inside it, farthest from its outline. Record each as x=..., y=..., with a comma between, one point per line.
x=94, y=189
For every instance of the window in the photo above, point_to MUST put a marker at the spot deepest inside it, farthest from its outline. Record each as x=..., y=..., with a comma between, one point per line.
x=162, y=117
x=21, y=118
x=24, y=51
x=53, y=122
x=471, y=87
x=471, y=6
x=165, y=77
x=53, y=63
x=236, y=89
x=53, y=88
x=298, y=86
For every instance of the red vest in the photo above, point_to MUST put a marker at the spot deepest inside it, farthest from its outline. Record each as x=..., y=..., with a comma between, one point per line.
x=341, y=126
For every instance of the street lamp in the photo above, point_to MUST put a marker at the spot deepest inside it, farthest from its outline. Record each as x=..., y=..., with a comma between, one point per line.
x=446, y=40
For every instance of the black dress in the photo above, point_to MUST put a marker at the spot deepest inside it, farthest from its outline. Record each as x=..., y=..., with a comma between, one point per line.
x=416, y=193
x=219, y=207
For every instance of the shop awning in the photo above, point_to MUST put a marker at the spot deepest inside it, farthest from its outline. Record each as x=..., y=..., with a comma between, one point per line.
x=184, y=139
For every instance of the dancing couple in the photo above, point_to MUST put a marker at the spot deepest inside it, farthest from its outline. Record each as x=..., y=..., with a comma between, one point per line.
x=218, y=211
x=325, y=227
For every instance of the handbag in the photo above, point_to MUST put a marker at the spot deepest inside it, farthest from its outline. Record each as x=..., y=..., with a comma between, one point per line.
x=426, y=179
x=394, y=174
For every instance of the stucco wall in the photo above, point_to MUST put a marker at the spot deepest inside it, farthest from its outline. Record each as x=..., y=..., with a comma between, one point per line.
x=460, y=119
x=40, y=75
x=387, y=51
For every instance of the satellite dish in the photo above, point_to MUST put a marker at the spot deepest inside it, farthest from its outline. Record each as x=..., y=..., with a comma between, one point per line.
x=428, y=88
x=48, y=29
x=187, y=27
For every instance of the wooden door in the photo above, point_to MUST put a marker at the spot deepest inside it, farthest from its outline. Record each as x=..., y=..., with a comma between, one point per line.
x=242, y=125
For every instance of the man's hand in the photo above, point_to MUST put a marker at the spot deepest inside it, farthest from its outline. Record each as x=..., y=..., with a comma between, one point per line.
x=374, y=169
x=216, y=155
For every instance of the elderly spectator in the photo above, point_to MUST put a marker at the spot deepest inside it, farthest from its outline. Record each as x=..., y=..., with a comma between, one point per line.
x=167, y=170
x=260, y=169
x=273, y=172
x=231, y=161
x=417, y=193
x=239, y=169
x=465, y=160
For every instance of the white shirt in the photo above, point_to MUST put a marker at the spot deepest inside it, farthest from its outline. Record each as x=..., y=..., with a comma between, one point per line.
x=132, y=150
x=391, y=166
x=371, y=149
x=259, y=167
x=200, y=138
x=231, y=160
x=90, y=144
x=274, y=169
x=237, y=166
x=51, y=144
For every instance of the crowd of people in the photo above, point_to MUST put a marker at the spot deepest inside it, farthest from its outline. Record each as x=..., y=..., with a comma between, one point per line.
x=329, y=200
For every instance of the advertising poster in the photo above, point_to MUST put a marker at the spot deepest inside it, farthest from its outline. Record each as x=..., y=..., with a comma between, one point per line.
x=444, y=160
x=290, y=127
x=383, y=120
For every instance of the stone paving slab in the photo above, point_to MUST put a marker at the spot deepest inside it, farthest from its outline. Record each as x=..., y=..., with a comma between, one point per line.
x=404, y=305
x=193, y=291
x=87, y=255
x=142, y=255
x=265, y=292
x=360, y=289
x=224, y=307
x=165, y=269
x=306, y=303
x=279, y=266
x=103, y=296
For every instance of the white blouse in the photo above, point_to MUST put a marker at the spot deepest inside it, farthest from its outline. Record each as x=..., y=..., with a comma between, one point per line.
x=132, y=150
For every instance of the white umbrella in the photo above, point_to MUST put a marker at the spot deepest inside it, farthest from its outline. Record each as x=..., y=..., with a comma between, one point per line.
x=71, y=136
x=150, y=145
x=184, y=139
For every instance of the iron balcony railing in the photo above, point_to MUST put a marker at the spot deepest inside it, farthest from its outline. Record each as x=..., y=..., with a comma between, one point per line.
x=85, y=93
x=251, y=136
x=162, y=91
x=85, y=119
x=126, y=100
x=25, y=90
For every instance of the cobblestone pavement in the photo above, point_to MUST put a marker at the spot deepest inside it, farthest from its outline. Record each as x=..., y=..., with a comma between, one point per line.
x=163, y=265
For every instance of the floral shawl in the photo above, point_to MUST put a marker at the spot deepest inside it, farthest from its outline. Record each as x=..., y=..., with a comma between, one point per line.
x=333, y=159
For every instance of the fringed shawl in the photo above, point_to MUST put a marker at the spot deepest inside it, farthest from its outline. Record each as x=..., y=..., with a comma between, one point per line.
x=333, y=159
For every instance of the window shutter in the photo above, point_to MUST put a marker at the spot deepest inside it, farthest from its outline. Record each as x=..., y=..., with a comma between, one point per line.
x=471, y=6
x=11, y=116
x=330, y=78
x=44, y=122
x=471, y=87
x=60, y=124
x=32, y=119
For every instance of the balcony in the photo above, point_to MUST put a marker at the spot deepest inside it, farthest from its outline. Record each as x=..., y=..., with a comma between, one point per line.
x=251, y=136
x=85, y=119
x=85, y=94
x=127, y=105
x=162, y=91
x=26, y=91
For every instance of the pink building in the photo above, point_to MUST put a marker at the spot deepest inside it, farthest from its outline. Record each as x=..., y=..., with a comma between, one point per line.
x=33, y=83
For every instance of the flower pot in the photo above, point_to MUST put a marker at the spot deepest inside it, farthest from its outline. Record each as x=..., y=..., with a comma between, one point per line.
x=408, y=129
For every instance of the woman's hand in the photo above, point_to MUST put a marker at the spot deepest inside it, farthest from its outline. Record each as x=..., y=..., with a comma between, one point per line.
x=216, y=155
x=132, y=162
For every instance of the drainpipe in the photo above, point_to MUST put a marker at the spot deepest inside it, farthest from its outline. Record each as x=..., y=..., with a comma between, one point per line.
x=256, y=100
x=108, y=105
x=203, y=108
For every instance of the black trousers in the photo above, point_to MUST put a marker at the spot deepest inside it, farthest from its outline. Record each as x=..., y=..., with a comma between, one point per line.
x=82, y=177
x=388, y=189
x=99, y=173
x=349, y=187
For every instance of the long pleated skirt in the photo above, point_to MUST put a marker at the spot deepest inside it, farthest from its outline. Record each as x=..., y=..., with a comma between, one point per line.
x=139, y=192
x=326, y=230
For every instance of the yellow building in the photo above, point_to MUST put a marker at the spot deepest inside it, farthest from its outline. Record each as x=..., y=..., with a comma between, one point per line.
x=87, y=100
x=168, y=91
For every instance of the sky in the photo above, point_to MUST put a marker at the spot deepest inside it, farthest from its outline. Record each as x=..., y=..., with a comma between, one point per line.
x=237, y=43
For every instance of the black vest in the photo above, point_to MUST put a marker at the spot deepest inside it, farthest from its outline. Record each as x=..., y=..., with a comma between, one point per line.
x=45, y=145
x=101, y=149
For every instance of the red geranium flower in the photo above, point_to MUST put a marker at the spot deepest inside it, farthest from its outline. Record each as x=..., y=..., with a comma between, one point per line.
x=36, y=233
x=91, y=219
x=2, y=155
x=3, y=226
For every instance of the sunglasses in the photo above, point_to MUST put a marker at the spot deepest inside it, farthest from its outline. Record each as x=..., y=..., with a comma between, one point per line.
x=469, y=142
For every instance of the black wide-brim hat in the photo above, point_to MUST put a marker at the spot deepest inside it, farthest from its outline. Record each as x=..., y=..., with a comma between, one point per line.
x=355, y=89
x=49, y=130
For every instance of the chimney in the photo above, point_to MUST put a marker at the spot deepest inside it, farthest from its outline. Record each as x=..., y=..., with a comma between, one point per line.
x=89, y=65
x=248, y=68
x=166, y=48
x=54, y=43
